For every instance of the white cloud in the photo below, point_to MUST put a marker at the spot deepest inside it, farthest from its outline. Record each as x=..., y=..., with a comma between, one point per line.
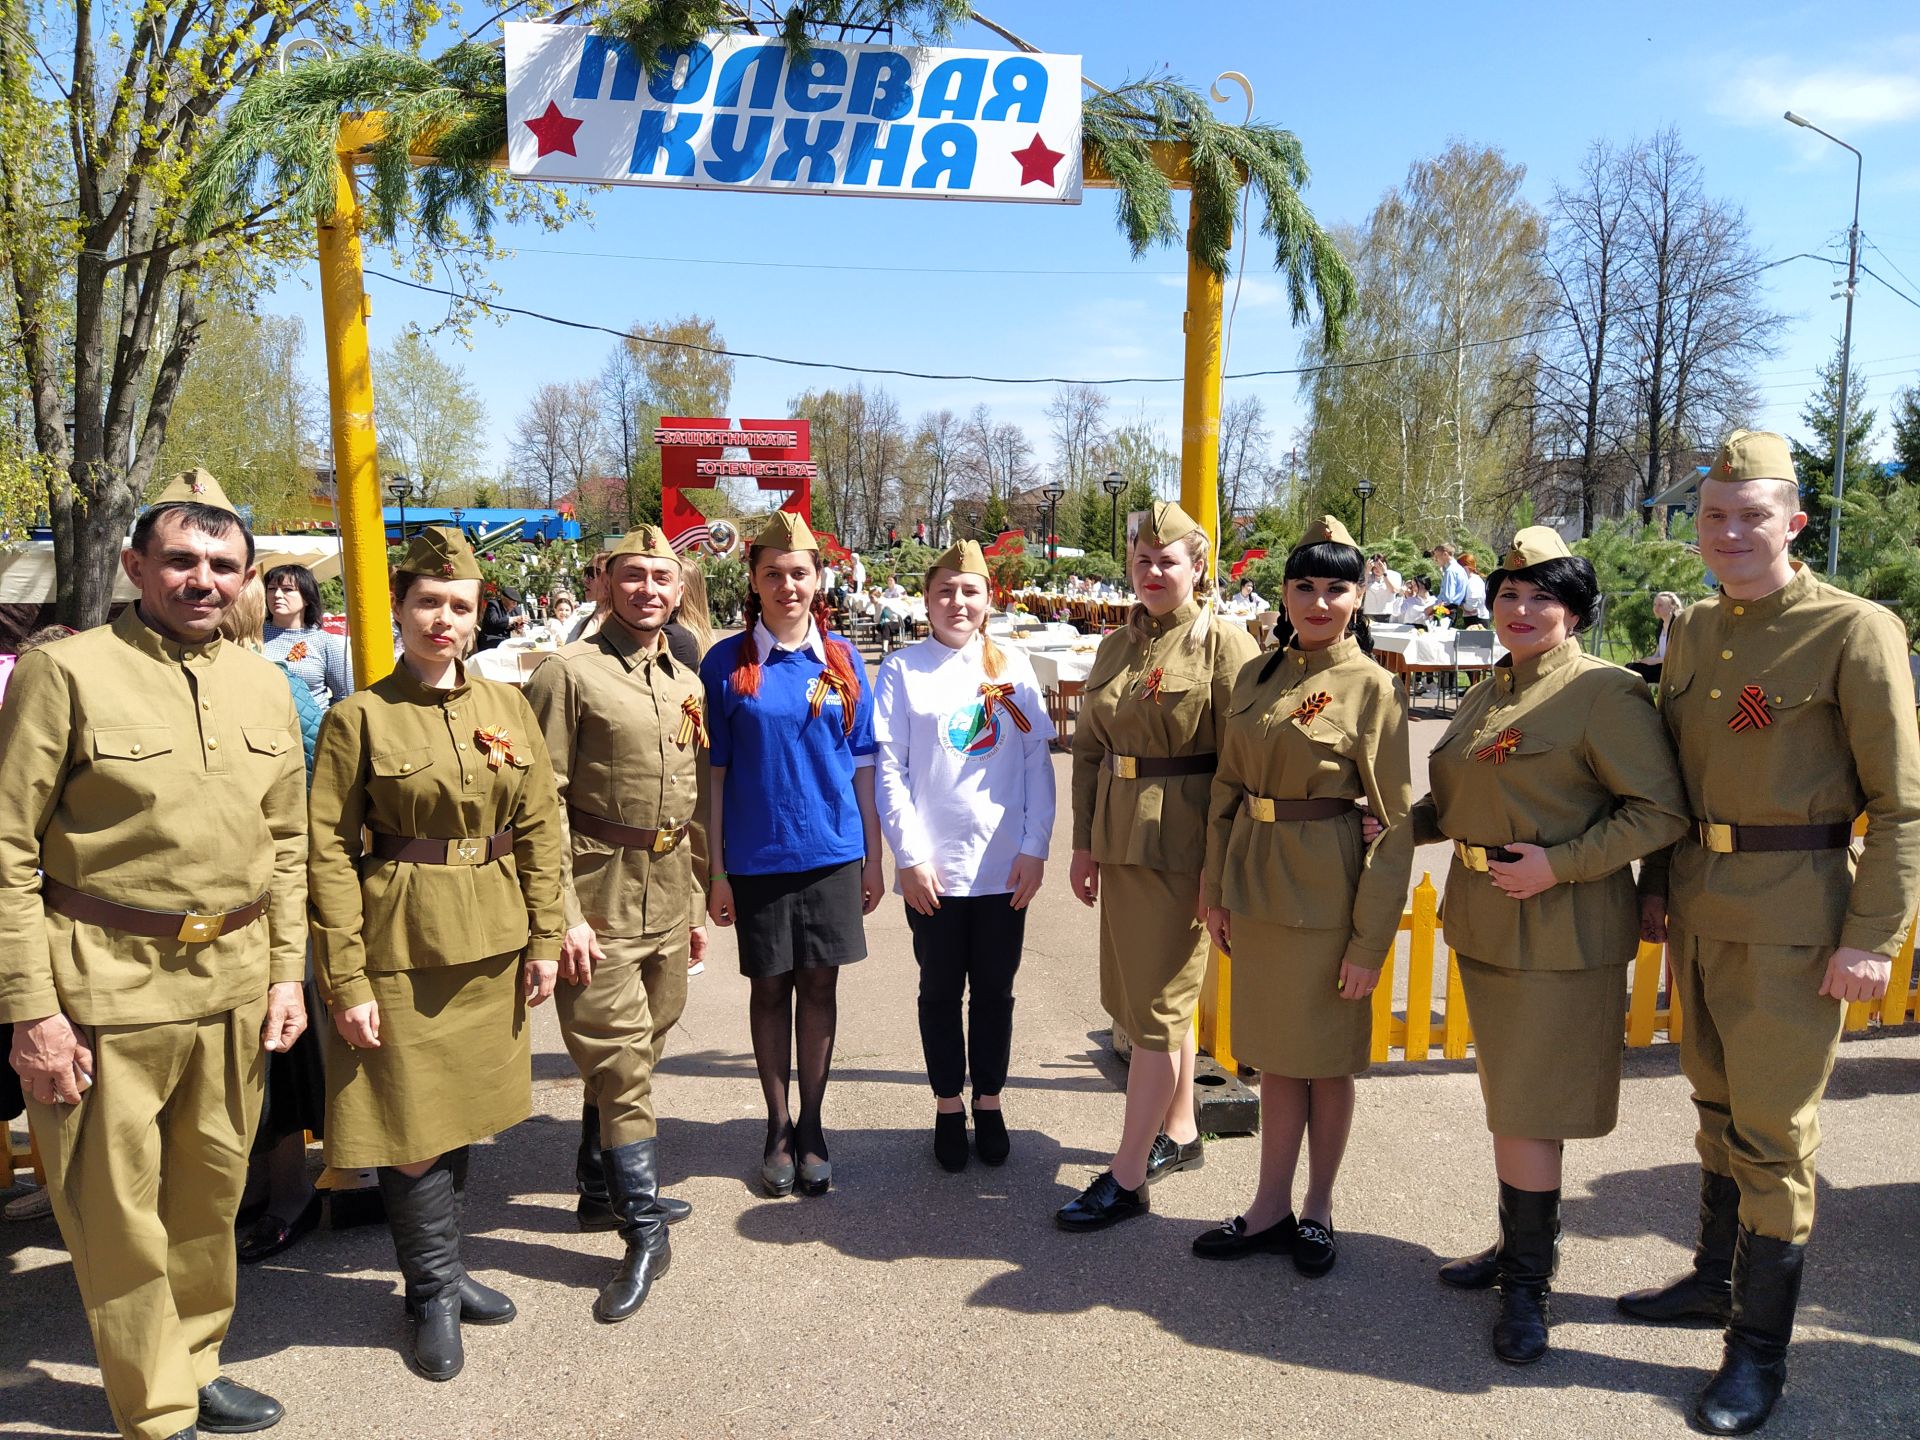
x=1883, y=90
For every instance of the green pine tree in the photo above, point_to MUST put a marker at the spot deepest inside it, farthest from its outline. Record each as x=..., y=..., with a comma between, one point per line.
x=1813, y=457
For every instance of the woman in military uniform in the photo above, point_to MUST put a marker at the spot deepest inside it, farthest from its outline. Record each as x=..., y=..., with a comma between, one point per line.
x=435, y=935
x=1554, y=777
x=1143, y=760
x=1307, y=909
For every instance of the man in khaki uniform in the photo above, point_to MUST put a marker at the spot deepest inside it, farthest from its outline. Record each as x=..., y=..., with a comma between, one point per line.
x=1791, y=708
x=626, y=726
x=152, y=898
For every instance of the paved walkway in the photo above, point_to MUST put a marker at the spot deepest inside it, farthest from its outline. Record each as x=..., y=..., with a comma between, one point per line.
x=911, y=1302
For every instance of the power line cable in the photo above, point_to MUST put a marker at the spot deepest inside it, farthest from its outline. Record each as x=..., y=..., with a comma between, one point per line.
x=1893, y=287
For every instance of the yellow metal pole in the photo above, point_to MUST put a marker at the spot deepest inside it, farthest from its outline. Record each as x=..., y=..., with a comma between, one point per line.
x=356, y=469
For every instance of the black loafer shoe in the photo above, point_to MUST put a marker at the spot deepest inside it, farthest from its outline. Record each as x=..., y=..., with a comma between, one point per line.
x=1105, y=1202
x=227, y=1408
x=269, y=1234
x=1231, y=1240
x=1313, y=1248
x=950, y=1140
x=1167, y=1158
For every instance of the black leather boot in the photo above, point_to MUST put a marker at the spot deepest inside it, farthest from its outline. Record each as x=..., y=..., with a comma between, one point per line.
x=633, y=1183
x=479, y=1304
x=1753, y=1370
x=1704, y=1295
x=1473, y=1272
x=1529, y=1231
x=589, y=1176
x=423, y=1214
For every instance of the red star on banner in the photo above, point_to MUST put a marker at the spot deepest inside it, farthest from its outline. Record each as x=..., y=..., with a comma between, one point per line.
x=554, y=131
x=1037, y=162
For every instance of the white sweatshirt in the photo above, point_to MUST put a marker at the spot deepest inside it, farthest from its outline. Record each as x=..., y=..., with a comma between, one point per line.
x=961, y=789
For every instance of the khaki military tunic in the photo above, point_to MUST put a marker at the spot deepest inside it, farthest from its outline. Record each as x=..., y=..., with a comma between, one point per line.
x=1564, y=751
x=1307, y=895
x=439, y=947
x=1155, y=697
x=1750, y=933
x=169, y=777
x=625, y=727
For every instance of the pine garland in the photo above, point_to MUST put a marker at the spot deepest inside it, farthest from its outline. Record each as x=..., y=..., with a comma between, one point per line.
x=455, y=107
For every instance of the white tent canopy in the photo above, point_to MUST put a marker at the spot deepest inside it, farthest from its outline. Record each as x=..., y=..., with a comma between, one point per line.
x=26, y=573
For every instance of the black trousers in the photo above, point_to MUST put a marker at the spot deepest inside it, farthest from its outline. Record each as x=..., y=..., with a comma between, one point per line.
x=971, y=943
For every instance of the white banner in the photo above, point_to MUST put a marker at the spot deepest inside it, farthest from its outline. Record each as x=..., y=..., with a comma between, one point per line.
x=736, y=112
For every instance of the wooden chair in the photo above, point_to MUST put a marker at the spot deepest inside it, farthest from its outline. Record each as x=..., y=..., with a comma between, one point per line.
x=1063, y=706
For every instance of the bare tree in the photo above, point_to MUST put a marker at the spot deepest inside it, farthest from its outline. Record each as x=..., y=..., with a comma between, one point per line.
x=560, y=440
x=1078, y=415
x=860, y=444
x=1246, y=468
x=996, y=460
x=933, y=463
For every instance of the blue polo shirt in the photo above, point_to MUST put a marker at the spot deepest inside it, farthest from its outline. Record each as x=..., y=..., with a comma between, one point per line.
x=789, y=803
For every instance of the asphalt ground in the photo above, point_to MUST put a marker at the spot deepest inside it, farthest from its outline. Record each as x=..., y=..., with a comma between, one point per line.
x=913, y=1302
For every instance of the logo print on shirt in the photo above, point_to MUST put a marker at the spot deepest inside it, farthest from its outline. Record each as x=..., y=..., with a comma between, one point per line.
x=971, y=731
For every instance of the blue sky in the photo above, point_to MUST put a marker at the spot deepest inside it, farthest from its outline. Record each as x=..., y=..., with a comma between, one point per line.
x=1050, y=290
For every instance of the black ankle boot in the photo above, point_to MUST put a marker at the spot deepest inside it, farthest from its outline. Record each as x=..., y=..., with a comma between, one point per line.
x=950, y=1140
x=1704, y=1295
x=1753, y=1370
x=990, y=1140
x=1473, y=1272
x=423, y=1214
x=1529, y=1233
x=633, y=1184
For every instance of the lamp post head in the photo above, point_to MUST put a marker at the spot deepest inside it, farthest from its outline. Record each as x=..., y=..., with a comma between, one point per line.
x=1053, y=492
x=1799, y=120
x=1363, y=489
x=1113, y=484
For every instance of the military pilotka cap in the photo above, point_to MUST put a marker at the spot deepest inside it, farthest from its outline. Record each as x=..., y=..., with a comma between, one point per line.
x=785, y=530
x=1326, y=531
x=1165, y=523
x=442, y=553
x=964, y=556
x=195, y=487
x=647, y=540
x=1754, y=455
x=1533, y=545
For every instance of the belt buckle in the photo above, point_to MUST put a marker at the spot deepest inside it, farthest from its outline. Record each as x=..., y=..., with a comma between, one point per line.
x=196, y=929
x=1126, y=767
x=1474, y=857
x=665, y=838
x=1717, y=838
x=1260, y=807
x=466, y=852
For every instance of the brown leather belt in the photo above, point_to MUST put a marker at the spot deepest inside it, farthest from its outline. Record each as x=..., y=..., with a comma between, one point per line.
x=1157, y=767
x=630, y=837
x=190, y=927
x=462, y=850
x=1330, y=807
x=1726, y=839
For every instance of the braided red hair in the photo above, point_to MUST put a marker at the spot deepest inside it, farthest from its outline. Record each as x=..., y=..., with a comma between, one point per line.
x=746, y=666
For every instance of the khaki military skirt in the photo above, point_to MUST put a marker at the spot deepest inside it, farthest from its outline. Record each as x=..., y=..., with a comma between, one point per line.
x=1548, y=1045
x=1288, y=1017
x=1153, y=953
x=455, y=1065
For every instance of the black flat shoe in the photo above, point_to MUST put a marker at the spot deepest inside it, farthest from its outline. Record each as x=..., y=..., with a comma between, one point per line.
x=1105, y=1202
x=776, y=1175
x=990, y=1141
x=815, y=1176
x=269, y=1234
x=227, y=1408
x=950, y=1140
x=1313, y=1249
x=1231, y=1239
x=1167, y=1158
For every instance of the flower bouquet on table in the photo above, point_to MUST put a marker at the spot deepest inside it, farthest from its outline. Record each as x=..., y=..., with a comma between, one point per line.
x=1440, y=617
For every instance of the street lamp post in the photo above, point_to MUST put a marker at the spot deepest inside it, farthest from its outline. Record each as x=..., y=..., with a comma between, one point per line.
x=1113, y=485
x=402, y=490
x=1363, y=489
x=1846, y=346
x=1053, y=491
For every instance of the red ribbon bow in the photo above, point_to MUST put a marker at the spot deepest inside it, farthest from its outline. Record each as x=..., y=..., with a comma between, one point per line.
x=1500, y=747
x=1002, y=695
x=298, y=652
x=496, y=744
x=830, y=682
x=692, y=724
x=1149, y=686
x=1750, y=712
x=1309, y=709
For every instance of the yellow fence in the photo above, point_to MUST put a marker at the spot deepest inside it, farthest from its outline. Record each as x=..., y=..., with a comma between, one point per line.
x=1420, y=1030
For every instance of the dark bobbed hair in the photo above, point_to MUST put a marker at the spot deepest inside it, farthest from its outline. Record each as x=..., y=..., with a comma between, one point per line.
x=1567, y=578
x=309, y=591
x=207, y=519
x=1326, y=560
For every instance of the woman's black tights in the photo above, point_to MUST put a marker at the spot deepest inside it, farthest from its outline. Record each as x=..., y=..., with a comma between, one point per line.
x=799, y=1011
